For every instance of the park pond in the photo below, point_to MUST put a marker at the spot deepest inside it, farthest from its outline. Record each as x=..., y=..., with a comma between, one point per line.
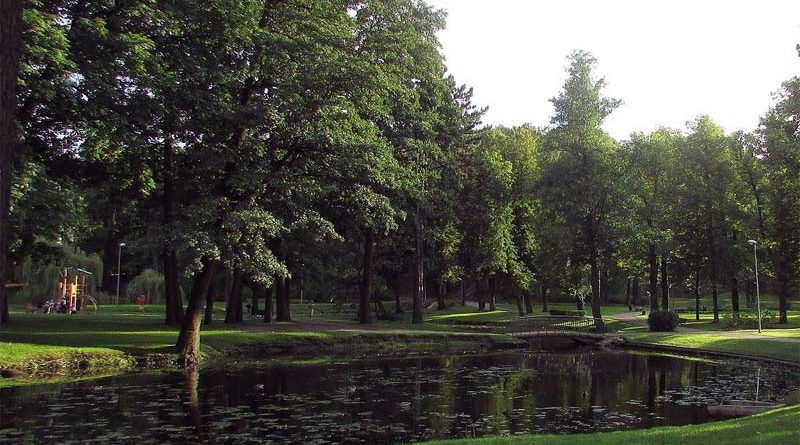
x=386, y=401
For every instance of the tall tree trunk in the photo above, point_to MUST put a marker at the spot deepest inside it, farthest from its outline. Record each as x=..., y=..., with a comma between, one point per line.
x=637, y=292
x=528, y=300
x=783, y=297
x=208, y=317
x=520, y=304
x=652, y=260
x=595, y=280
x=238, y=287
x=365, y=290
x=697, y=293
x=715, y=297
x=172, y=295
x=440, y=304
x=543, y=287
x=735, y=297
x=398, y=307
x=479, y=295
x=188, y=345
x=628, y=292
x=10, y=50
x=664, y=283
x=227, y=289
x=416, y=315
x=257, y=289
x=784, y=270
x=268, y=304
x=463, y=294
x=605, y=277
x=173, y=303
x=233, y=312
x=748, y=294
x=492, y=294
x=282, y=302
x=280, y=288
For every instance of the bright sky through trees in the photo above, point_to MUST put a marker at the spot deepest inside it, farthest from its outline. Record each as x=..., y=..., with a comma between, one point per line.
x=668, y=60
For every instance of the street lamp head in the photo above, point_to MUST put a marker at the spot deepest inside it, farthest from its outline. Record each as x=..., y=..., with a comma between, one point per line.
x=121, y=244
x=752, y=242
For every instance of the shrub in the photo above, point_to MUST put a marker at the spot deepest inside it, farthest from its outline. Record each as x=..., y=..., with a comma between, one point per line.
x=573, y=313
x=662, y=321
x=747, y=320
x=148, y=283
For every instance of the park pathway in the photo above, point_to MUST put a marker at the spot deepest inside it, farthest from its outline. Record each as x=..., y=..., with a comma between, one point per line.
x=632, y=318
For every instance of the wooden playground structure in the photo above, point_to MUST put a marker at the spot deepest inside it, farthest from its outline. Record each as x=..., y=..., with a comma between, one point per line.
x=71, y=289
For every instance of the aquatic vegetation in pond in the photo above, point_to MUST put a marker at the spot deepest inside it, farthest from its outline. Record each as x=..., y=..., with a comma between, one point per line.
x=387, y=401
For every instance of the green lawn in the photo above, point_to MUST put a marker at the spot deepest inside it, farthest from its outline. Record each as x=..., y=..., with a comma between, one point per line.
x=718, y=343
x=114, y=331
x=778, y=427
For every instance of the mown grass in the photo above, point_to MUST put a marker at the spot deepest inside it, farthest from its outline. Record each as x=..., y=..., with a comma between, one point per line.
x=719, y=343
x=90, y=342
x=772, y=428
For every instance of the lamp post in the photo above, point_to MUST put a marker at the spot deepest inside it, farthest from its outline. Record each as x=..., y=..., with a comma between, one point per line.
x=119, y=272
x=754, y=243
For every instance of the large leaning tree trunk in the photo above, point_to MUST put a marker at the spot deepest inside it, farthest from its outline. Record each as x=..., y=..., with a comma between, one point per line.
x=188, y=345
x=365, y=288
x=10, y=49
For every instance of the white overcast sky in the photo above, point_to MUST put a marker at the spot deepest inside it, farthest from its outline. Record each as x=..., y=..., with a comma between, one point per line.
x=668, y=61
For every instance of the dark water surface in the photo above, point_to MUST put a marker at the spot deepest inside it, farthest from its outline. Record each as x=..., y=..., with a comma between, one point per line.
x=387, y=401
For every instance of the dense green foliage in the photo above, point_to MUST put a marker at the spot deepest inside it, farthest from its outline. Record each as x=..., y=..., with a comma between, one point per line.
x=149, y=283
x=320, y=149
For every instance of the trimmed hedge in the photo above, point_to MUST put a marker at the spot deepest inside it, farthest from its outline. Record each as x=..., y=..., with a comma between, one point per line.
x=663, y=321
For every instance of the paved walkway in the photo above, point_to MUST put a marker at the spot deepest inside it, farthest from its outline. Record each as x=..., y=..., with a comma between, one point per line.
x=632, y=318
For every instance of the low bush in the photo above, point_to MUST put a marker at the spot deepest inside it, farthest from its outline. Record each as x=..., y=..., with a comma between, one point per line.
x=663, y=321
x=747, y=320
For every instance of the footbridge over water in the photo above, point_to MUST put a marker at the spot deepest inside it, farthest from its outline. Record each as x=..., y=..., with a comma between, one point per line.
x=581, y=330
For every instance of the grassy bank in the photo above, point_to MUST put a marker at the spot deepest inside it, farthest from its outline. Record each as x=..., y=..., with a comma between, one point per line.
x=122, y=338
x=119, y=338
x=720, y=343
x=774, y=427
